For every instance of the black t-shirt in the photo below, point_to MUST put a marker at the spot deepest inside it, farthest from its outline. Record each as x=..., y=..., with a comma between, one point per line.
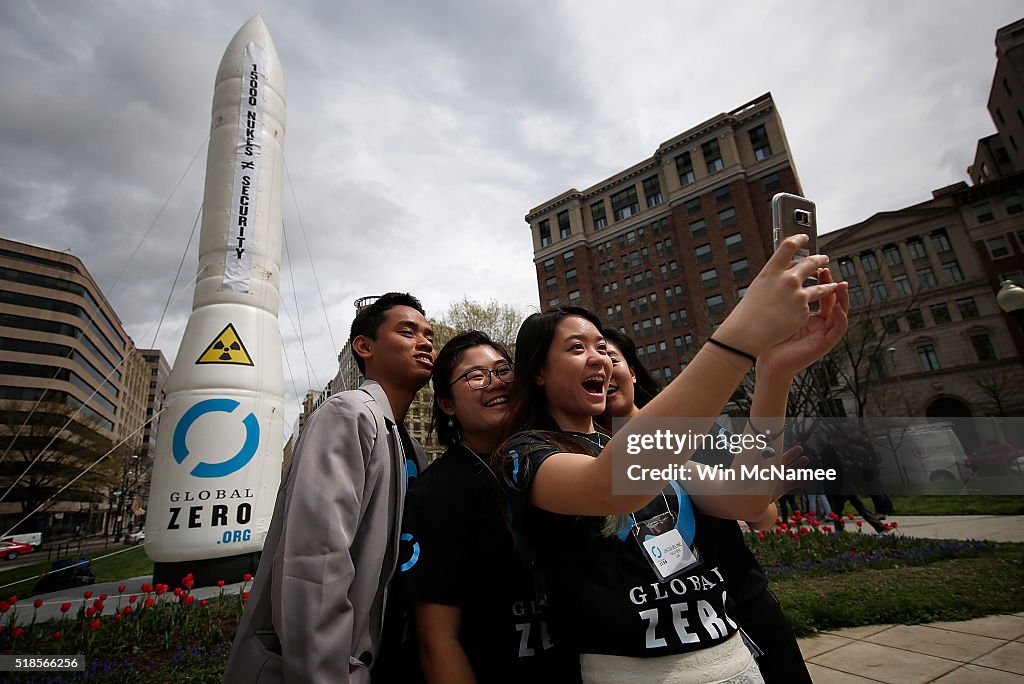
x=464, y=554
x=603, y=594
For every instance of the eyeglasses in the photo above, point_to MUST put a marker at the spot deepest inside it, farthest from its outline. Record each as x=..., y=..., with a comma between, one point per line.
x=480, y=378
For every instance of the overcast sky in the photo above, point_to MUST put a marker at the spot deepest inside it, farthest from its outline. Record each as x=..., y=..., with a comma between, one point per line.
x=420, y=133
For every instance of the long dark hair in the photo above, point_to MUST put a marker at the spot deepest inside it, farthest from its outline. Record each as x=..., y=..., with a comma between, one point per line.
x=441, y=378
x=528, y=405
x=646, y=387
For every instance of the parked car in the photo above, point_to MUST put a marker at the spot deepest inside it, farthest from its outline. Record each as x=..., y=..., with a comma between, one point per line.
x=12, y=549
x=136, y=537
x=33, y=539
x=994, y=459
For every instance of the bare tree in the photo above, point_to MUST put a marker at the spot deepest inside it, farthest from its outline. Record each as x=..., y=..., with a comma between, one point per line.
x=1002, y=391
x=500, y=321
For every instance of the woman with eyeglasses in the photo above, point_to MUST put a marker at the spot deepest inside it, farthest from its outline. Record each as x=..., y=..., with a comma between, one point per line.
x=477, y=615
x=750, y=602
x=647, y=603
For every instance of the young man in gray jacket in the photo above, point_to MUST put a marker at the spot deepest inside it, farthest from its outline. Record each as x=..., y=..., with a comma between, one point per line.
x=316, y=608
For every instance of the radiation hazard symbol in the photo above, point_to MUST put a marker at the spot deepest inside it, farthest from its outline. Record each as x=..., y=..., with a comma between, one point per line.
x=227, y=348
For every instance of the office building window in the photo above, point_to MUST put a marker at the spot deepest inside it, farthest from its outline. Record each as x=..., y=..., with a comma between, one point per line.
x=916, y=248
x=998, y=247
x=727, y=217
x=551, y=283
x=636, y=333
x=598, y=215
x=698, y=228
x=940, y=313
x=967, y=307
x=1013, y=203
x=652, y=191
x=940, y=241
x=915, y=319
x=928, y=358
x=549, y=265
x=715, y=303
x=563, y=225
x=759, y=141
x=846, y=268
x=741, y=291
x=983, y=212
x=684, y=167
x=625, y=204
x=926, y=278
x=983, y=347
x=678, y=341
x=544, y=228
x=734, y=242
x=673, y=268
x=891, y=324
x=693, y=206
x=709, y=278
x=902, y=284
x=1015, y=277
x=712, y=156
x=703, y=253
x=892, y=255
x=740, y=269
x=570, y=277
x=574, y=297
x=868, y=262
x=770, y=182
x=878, y=291
x=722, y=194
x=952, y=271
x=553, y=302
x=857, y=296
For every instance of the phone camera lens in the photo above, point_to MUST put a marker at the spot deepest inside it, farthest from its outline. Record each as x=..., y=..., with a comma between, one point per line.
x=802, y=217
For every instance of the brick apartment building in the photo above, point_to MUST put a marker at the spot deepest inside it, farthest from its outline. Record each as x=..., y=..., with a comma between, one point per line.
x=665, y=248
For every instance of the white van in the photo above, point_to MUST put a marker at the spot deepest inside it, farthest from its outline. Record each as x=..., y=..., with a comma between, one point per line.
x=33, y=539
x=920, y=454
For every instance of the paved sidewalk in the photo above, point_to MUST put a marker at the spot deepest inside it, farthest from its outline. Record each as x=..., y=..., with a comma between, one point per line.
x=987, y=650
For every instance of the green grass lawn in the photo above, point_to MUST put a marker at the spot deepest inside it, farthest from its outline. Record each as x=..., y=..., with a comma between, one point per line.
x=959, y=505
x=109, y=565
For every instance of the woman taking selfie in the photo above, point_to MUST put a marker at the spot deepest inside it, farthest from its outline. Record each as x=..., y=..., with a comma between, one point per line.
x=749, y=601
x=647, y=603
x=477, y=617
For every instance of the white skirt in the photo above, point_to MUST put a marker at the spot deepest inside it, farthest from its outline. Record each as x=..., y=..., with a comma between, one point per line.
x=726, y=663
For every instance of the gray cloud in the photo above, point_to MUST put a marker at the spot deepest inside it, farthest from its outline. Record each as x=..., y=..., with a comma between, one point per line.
x=419, y=134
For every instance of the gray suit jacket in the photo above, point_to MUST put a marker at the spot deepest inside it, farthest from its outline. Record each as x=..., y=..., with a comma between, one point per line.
x=317, y=603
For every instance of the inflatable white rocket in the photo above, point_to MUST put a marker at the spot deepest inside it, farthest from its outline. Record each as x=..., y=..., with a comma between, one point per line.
x=219, y=447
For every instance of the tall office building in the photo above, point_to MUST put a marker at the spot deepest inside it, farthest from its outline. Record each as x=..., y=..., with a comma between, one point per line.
x=63, y=347
x=665, y=248
x=1002, y=153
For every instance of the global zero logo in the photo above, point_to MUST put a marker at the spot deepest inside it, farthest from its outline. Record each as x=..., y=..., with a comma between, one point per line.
x=224, y=468
x=197, y=516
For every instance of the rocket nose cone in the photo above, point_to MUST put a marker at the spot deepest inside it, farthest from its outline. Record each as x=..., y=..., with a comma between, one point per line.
x=252, y=31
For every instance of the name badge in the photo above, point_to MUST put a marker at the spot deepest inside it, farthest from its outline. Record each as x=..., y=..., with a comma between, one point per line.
x=669, y=554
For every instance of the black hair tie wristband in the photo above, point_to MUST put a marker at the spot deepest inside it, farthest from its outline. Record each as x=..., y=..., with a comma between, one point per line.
x=734, y=350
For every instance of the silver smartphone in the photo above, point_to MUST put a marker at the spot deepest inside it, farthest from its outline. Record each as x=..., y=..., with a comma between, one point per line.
x=792, y=214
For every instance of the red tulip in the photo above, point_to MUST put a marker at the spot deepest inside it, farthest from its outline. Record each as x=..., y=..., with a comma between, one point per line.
x=13, y=599
x=98, y=604
x=189, y=599
x=849, y=516
x=87, y=595
x=17, y=633
x=65, y=607
x=117, y=617
x=127, y=610
x=121, y=588
x=146, y=588
x=245, y=596
x=38, y=603
x=56, y=635
x=89, y=612
x=203, y=603
x=94, y=625
x=220, y=583
x=103, y=597
x=860, y=524
x=246, y=577
x=894, y=524
x=132, y=598
x=150, y=602
x=4, y=606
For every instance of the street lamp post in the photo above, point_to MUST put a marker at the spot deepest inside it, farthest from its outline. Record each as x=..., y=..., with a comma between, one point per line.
x=1011, y=300
x=899, y=378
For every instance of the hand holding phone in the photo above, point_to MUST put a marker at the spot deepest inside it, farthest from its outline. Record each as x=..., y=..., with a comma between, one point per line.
x=792, y=214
